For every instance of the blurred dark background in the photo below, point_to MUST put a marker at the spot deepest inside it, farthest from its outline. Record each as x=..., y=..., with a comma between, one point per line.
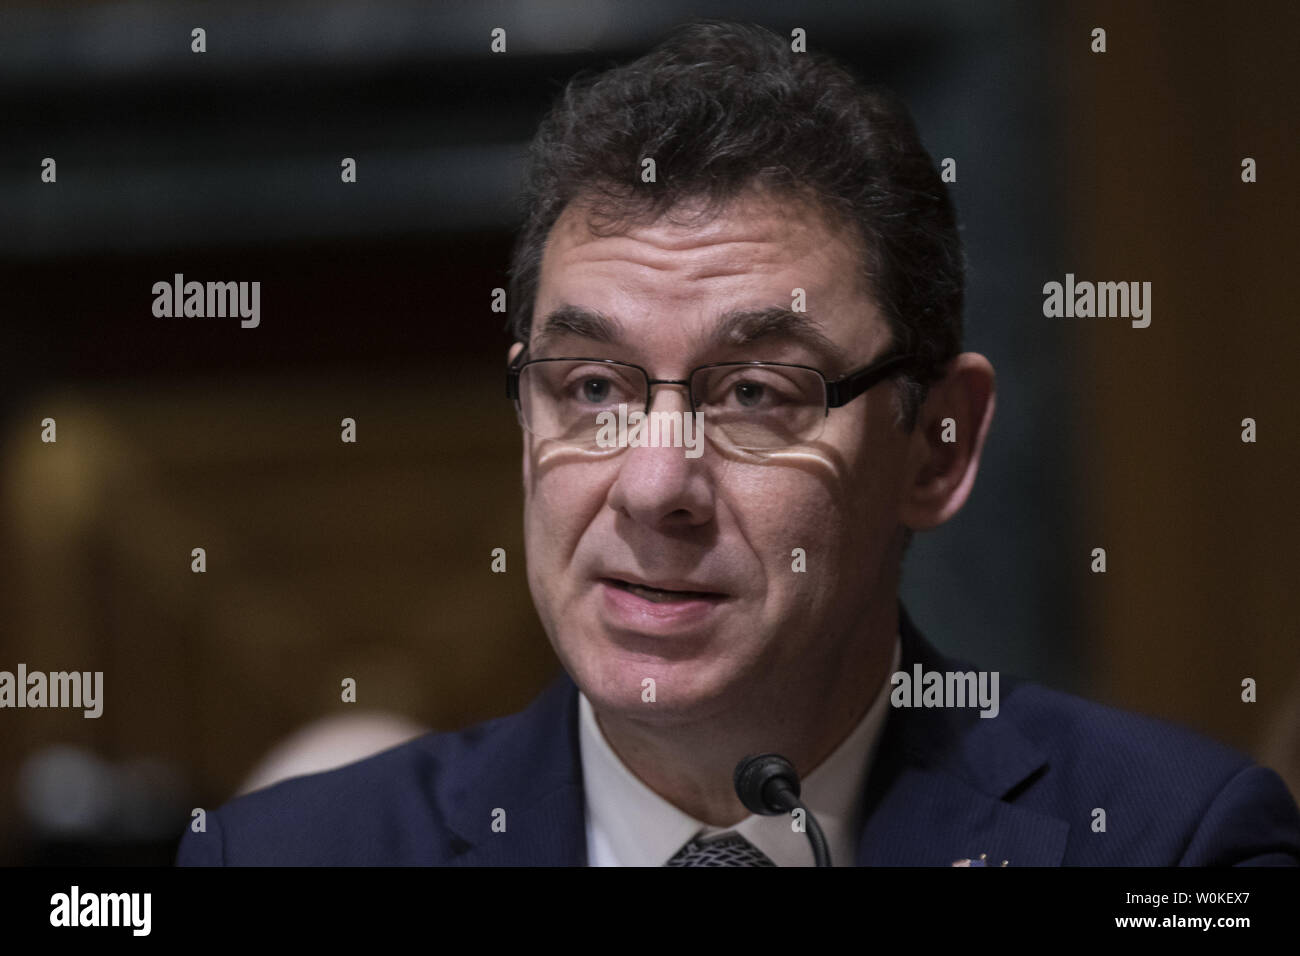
x=371, y=560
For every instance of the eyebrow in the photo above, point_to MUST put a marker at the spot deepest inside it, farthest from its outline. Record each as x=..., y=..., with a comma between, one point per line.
x=735, y=328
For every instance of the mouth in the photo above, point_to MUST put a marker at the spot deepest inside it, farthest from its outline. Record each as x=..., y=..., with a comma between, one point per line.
x=662, y=595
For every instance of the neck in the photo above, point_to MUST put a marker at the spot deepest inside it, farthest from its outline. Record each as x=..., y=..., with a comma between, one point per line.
x=691, y=764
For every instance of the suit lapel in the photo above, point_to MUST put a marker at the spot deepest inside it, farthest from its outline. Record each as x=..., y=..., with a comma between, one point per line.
x=941, y=784
x=528, y=766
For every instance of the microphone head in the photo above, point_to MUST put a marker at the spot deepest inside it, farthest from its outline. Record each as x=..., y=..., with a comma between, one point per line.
x=752, y=776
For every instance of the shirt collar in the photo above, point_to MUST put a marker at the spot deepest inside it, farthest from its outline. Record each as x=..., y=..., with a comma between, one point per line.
x=628, y=824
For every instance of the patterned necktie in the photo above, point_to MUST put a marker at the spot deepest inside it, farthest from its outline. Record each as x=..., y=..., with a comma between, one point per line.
x=730, y=849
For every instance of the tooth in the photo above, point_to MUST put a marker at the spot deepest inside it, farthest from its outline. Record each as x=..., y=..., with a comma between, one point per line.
x=652, y=594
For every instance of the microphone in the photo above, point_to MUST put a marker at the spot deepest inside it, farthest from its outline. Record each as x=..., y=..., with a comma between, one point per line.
x=768, y=784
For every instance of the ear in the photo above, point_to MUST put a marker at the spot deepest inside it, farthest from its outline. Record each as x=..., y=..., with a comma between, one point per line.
x=514, y=350
x=944, y=450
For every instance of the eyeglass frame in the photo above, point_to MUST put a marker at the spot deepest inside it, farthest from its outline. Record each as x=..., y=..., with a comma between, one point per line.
x=839, y=392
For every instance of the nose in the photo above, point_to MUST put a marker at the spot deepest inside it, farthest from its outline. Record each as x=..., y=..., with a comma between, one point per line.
x=660, y=487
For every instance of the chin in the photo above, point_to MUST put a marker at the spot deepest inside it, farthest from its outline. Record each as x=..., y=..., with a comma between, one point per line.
x=613, y=681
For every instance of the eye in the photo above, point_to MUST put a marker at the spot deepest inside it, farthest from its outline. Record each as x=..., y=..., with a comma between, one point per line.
x=749, y=394
x=595, y=390
x=595, y=386
x=752, y=390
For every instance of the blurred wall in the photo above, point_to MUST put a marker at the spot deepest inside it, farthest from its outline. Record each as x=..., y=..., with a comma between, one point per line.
x=1201, y=529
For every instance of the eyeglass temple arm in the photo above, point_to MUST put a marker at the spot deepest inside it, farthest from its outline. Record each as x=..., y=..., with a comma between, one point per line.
x=844, y=390
x=512, y=374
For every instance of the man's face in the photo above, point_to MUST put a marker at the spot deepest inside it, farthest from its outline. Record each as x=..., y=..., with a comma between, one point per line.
x=724, y=525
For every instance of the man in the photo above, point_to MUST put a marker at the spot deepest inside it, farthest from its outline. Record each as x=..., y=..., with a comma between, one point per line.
x=720, y=203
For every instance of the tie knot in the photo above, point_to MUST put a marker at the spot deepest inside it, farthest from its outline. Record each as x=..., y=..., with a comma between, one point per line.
x=729, y=849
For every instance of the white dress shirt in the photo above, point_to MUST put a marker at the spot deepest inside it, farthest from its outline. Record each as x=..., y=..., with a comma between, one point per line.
x=628, y=824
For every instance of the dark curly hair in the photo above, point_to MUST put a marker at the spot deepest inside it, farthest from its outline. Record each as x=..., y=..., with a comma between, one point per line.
x=723, y=107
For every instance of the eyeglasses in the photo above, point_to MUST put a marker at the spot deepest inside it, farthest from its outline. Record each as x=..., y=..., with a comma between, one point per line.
x=749, y=405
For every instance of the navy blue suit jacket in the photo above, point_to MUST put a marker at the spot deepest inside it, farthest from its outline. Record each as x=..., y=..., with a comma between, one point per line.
x=946, y=784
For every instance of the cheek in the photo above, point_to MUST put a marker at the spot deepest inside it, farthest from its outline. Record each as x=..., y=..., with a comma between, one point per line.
x=835, y=511
x=778, y=508
x=559, y=507
x=555, y=515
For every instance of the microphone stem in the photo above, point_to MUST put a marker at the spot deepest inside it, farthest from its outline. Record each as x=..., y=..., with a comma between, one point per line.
x=821, y=852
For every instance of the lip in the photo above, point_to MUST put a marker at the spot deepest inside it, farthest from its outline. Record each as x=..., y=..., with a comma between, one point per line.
x=664, y=584
x=625, y=611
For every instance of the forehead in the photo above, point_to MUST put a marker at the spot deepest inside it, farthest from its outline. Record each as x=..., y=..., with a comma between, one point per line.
x=684, y=275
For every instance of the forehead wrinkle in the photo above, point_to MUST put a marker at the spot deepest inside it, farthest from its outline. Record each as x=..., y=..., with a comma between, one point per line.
x=696, y=259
